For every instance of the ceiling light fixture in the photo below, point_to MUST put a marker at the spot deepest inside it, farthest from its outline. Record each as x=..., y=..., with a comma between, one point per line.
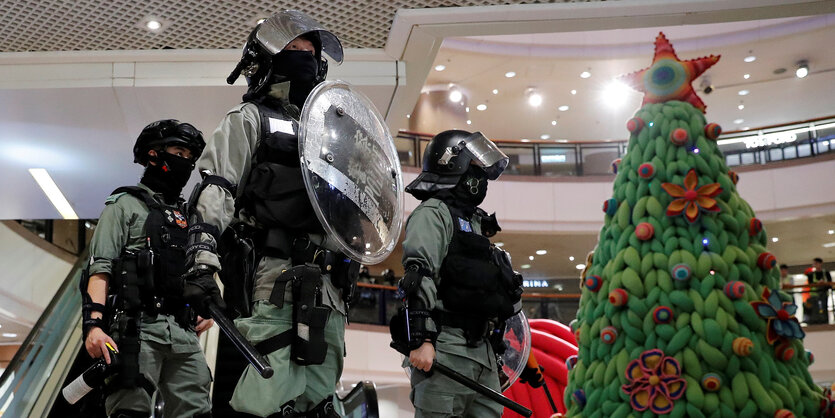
x=573, y=92
x=467, y=109
x=440, y=67
x=580, y=266
x=563, y=108
x=482, y=107
x=571, y=258
x=530, y=257
x=153, y=24
x=525, y=266
x=743, y=92
x=469, y=122
x=544, y=136
x=495, y=91
x=9, y=335
x=585, y=74
x=746, y=76
x=741, y=106
x=541, y=252
x=509, y=74
x=534, y=98
x=53, y=193
x=553, y=123
x=408, y=116
x=455, y=95
x=738, y=121
x=775, y=239
x=750, y=58
x=525, y=140
x=802, y=69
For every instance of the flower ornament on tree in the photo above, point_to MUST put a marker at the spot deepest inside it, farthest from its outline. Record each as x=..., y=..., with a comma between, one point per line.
x=690, y=200
x=780, y=317
x=654, y=382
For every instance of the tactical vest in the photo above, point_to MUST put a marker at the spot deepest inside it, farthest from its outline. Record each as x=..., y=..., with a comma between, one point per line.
x=473, y=280
x=275, y=192
x=152, y=277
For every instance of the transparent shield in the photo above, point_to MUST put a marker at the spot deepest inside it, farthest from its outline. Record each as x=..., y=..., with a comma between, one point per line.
x=351, y=171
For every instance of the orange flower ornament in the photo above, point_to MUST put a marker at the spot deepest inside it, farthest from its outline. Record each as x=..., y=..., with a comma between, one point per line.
x=690, y=200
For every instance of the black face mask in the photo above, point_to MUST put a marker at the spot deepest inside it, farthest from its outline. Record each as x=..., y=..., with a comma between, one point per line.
x=472, y=187
x=301, y=68
x=168, y=176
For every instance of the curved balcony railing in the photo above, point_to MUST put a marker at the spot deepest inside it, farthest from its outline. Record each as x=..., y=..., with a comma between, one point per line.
x=566, y=158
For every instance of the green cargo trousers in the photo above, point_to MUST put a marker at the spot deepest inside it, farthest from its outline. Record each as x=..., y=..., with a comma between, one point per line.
x=182, y=379
x=307, y=385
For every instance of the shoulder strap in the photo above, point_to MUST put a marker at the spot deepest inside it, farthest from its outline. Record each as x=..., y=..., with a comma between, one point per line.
x=140, y=194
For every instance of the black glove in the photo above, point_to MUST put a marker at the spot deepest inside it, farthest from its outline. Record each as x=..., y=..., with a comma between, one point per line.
x=200, y=290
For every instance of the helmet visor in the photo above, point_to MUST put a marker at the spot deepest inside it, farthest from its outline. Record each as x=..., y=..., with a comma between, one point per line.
x=486, y=154
x=281, y=28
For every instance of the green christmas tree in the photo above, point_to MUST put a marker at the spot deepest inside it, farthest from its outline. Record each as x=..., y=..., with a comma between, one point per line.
x=681, y=312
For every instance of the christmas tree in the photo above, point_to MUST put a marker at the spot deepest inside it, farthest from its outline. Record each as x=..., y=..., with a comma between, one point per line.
x=681, y=312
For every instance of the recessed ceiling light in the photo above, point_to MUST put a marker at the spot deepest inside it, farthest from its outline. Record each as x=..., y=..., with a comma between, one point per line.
x=495, y=91
x=408, y=116
x=9, y=335
x=467, y=109
x=743, y=92
x=440, y=67
x=509, y=74
x=585, y=74
x=525, y=266
x=541, y=252
x=573, y=92
x=746, y=76
x=829, y=245
x=153, y=24
x=802, y=69
x=455, y=95
x=530, y=257
x=535, y=99
x=553, y=123
x=469, y=122
x=481, y=107
x=831, y=231
x=750, y=58
x=571, y=258
x=580, y=266
x=775, y=239
x=544, y=136
x=52, y=192
x=745, y=128
x=741, y=106
x=738, y=121
x=525, y=140
x=563, y=108
x=499, y=244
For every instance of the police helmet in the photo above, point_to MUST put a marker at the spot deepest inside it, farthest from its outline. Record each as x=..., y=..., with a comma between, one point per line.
x=449, y=154
x=164, y=133
x=272, y=35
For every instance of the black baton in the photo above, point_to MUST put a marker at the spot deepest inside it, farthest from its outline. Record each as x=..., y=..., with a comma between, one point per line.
x=482, y=390
x=261, y=365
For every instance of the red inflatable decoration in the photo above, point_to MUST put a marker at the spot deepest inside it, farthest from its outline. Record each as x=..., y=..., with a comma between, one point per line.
x=552, y=343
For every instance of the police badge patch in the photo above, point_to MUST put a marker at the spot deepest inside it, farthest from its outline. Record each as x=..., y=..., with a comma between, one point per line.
x=464, y=225
x=180, y=219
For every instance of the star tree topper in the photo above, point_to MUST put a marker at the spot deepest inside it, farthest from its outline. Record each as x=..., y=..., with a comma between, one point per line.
x=669, y=78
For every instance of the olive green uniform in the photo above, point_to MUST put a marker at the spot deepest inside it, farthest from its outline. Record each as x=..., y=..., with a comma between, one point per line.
x=229, y=154
x=429, y=231
x=170, y=356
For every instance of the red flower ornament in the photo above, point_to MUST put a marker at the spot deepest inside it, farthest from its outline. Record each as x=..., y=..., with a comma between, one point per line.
x=690, y=200
x=654, y=382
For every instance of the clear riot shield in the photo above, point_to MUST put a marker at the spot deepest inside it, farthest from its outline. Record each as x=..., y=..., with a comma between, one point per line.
x=351, y=171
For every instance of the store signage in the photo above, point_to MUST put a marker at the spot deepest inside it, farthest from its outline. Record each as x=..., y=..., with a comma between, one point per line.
x=535, y=283
x=766, y=140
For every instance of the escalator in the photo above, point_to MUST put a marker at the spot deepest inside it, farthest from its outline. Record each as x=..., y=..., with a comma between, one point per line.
x=51, y=356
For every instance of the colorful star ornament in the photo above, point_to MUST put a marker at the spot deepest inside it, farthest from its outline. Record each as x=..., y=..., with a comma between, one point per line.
x=690, y=200
x=780, y=316
x=654, y=382
x=669, y=78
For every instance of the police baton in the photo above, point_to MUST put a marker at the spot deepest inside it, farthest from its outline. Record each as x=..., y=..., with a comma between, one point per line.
x=537, y=379
x=482, y=390
x=261, y=365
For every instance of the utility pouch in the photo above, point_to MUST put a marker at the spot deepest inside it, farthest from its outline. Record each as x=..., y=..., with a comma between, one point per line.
x=237, y=260
x=309, y=318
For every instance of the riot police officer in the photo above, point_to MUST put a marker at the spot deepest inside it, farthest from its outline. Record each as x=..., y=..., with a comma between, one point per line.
x=293, y=310
x=458, y=288
x=132, y=289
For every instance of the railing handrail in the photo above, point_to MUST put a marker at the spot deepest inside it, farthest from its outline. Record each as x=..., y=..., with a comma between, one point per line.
x=531, y=295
